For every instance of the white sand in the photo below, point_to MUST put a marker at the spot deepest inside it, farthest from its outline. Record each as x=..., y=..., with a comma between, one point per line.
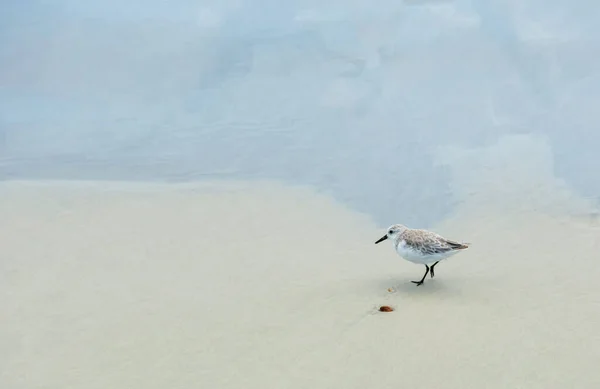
x=257, y=286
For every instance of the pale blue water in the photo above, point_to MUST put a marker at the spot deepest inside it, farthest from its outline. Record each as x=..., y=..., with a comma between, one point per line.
x=352, y=97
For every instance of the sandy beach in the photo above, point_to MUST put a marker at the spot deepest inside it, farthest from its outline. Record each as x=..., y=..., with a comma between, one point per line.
x=238, y=285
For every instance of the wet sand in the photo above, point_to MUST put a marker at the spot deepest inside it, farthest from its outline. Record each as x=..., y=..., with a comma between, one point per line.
x=110, y=285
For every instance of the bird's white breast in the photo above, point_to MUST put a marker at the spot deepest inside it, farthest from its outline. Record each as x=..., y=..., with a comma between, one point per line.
x=416, y=256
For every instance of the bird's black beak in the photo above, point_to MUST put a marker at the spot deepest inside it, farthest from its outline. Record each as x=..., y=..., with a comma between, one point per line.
x=381, y=239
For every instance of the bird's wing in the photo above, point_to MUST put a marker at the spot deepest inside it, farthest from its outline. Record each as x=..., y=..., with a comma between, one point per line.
x=431, y=243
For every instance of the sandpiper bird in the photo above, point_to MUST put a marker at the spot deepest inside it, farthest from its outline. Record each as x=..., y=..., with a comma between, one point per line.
x=421, y=246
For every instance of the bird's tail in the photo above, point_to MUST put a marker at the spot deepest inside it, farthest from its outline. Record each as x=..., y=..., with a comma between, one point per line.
x=458, y=246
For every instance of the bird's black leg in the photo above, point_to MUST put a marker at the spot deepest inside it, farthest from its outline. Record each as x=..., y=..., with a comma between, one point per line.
x=431, y=272
x=422, y=279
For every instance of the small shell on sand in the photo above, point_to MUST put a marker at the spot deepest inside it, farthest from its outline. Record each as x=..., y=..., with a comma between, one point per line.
x=390, y=290
x=385, y=308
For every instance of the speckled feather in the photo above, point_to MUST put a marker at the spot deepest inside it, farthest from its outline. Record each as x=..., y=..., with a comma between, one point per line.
x=428, y=242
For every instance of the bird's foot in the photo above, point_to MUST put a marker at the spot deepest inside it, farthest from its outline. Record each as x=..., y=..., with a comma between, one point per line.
x=418, y=283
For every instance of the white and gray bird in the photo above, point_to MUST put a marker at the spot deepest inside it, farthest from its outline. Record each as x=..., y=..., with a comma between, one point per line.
x=422, y=247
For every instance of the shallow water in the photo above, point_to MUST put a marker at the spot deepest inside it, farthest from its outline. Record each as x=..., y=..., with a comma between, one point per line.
x=351, y=99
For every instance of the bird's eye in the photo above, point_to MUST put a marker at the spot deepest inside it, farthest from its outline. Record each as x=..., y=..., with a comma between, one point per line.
x=390, y=232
